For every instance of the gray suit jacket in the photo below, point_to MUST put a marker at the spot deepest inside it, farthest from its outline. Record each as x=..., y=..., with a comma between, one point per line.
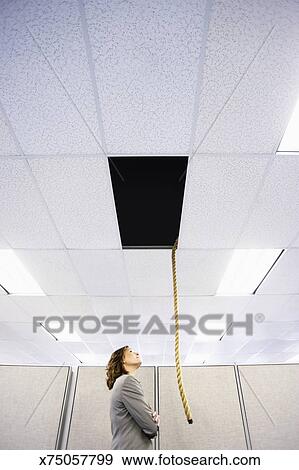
x=132, y=425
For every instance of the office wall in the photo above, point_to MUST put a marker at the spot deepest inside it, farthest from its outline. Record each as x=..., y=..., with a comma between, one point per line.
x=271, y=397
x=213, y=398
x=90, y=420
x=31, y=405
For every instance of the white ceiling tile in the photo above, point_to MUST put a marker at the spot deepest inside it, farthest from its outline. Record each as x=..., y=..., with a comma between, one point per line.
x=272, y=307
x=294, y=347
x=11, y=312
x=273, y=222
x=218, y=196
x=151, y=360
x=52, y=270
x=284, y=276
x=199, y=272
x=24, y=352
x=292, y=332
x=61, y=37
x=24, y=219
x=29, y=85
x=278, y=346
x=16, y=358
x=235, y=32
x=111, y=306
x=23, y=331
x=202, y=305
x=295, y=243
x=291, y=308
x=220, y=359
x=72, y=304
x=79, y=196
x=272, y=358
x=285, y=357
x=100, y=348
x=168, y=360
x=148, y=346
x=102, y=271
x=40, y=305
x=254, y=346
x=75, y=347
x=87, y=329
x=7, y=333
x=149, y=272
x=7, y=143
x=3, y=243
x=196, y=359
x=146, y=64
x=250, y=81
x=204, y=349
x=119, y=340
x=270, y=330
x=153, y=311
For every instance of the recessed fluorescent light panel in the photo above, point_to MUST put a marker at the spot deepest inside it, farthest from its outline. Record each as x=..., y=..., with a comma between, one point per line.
x=290, y=140
x=14, y=277
x=246, y=270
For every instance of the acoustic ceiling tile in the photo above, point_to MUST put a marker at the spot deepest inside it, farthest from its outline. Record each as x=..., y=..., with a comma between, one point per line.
x=154, y=309
x=218, y=196
x=102, y=271
x=39, y=305
x=284, y=276
x=146, y=65
x=149, y=272
x=59, y=30
x=250, y=82
x=199, y=272
x=10, y=312
x=79, y=196
x=272, y=307
x=30, y=82
x=79, y=305
x=7, y=144
x=52, y=270
x=24, y=219
x=273, y=222
x=118, y=306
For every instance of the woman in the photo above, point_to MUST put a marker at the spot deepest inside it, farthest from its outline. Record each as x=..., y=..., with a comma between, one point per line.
x=133, y=422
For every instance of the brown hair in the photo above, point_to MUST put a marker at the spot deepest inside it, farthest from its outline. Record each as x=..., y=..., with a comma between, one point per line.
x=115, y=366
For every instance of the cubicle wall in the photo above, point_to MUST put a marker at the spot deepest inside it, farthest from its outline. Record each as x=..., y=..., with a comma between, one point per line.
x=214, y=401
x=271, y=398
x=32, y=400
x=233, y=407
x=90, y=420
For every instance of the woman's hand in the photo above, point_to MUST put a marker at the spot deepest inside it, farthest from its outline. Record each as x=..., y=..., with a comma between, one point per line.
x=156, y=418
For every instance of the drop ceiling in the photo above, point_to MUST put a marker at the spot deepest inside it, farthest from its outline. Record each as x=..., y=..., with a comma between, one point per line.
x=84, y=81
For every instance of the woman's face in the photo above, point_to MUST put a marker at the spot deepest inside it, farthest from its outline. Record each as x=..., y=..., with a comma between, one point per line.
x=131, y=357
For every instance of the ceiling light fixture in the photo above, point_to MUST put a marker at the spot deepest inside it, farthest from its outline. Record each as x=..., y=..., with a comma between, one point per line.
x=246, y=269
x=14, y=277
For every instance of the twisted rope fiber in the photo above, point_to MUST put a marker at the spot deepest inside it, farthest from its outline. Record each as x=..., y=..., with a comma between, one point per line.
x=177, y=345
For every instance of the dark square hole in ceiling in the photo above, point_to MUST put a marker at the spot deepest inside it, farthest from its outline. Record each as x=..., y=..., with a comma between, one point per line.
x=148, y=194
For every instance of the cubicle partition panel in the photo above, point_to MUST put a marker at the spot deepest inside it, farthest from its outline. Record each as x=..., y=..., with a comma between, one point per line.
x=233, y=407
x=90, y=420
x=214, y=399
x=32, y=401
x=271, y=398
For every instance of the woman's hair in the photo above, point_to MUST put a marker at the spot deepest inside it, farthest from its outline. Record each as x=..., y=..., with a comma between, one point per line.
x=115, y=367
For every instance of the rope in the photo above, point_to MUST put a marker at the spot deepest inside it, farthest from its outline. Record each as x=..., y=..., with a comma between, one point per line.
x=177, y=346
